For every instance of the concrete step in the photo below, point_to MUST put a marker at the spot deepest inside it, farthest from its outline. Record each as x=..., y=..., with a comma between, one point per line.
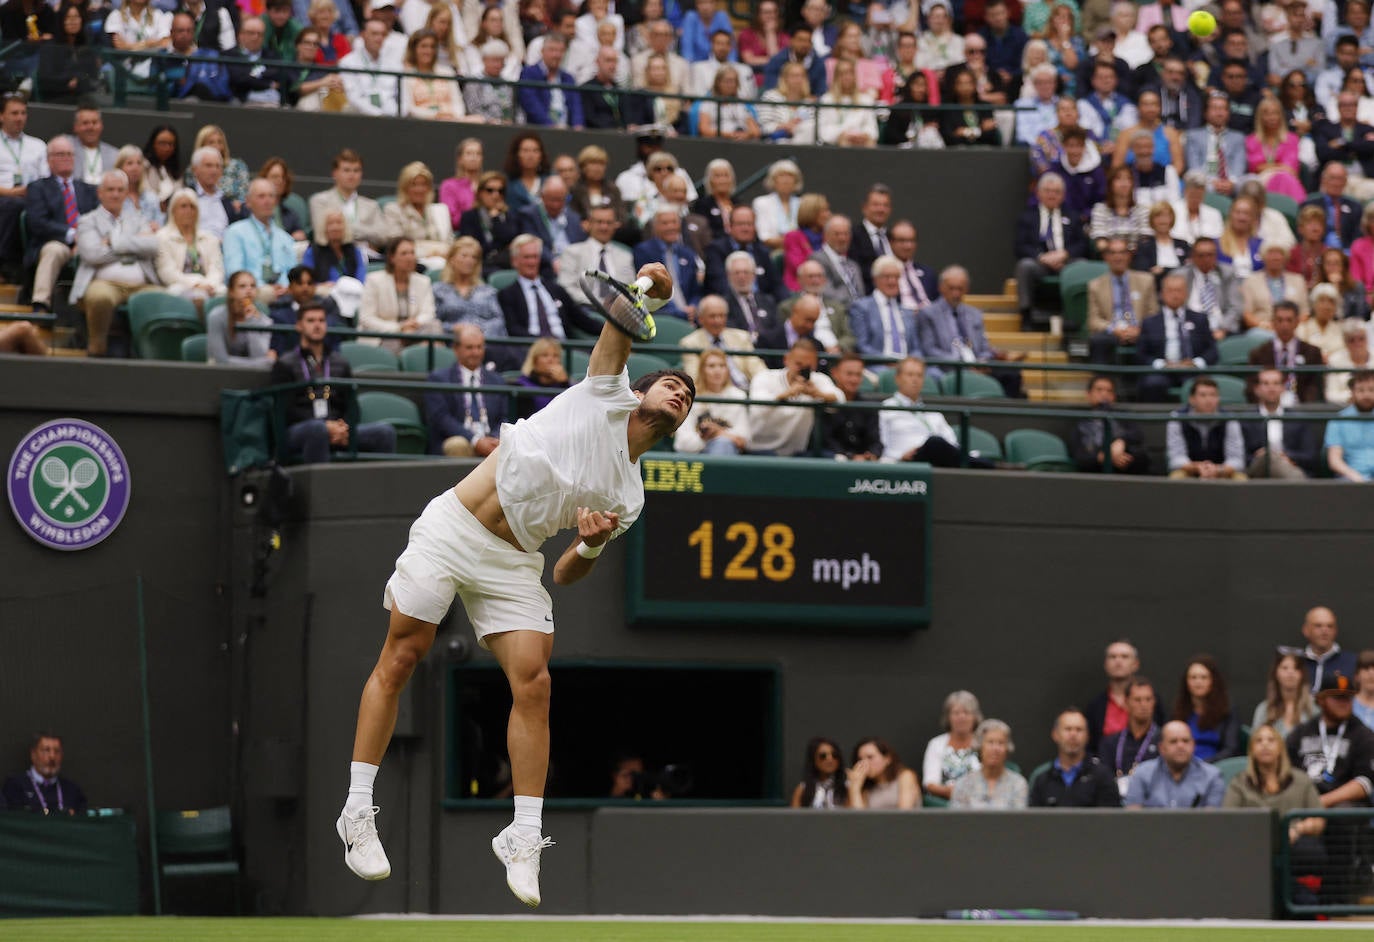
x=1028, y=341
x=1005, y=323
x=993, y=304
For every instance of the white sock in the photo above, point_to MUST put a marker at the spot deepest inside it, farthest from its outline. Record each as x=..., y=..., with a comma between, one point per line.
x=361, y=775
x=529, y=816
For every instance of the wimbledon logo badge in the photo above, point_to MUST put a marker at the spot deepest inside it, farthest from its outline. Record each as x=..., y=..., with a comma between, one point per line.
x=68, y=484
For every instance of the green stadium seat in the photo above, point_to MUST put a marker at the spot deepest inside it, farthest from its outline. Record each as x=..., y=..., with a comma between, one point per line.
x=974, y=385
x=577, y=333
x=1220, y=203
x=415, y=359
x=641, y=363
x=403, y=415
x=934, y=801
x=670, y=331
x=197, y=844
x=1038, y=771
x=1073, y=292
x=159, y=322
x=1231, y=388
x=1285, y=205
x=502, y=279
x=365, y=357
x=1236, y=350
x=1038, y=451
x=982, y=443
x=193, y=349
x=578, y=360
x=1230, y=768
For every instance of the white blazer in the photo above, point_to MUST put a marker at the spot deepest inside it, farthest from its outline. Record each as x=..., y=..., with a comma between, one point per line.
x=379, y=309
x=171, y=258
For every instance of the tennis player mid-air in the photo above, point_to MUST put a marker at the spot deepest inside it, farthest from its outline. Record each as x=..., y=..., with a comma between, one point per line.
x=572, y=465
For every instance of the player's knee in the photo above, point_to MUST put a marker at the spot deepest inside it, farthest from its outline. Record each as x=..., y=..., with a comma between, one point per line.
x=400, y=659
x=532, y=689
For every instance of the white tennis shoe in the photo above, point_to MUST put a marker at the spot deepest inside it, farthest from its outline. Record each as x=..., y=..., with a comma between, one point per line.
x=363, y=853
x=520, y=856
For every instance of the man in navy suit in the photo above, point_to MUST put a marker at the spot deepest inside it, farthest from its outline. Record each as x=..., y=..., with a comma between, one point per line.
x=551, y=221
x=1047, y=239
x=53, y=205
x=667, y=247
x=882, y=327
x=799, y=49
x=551, y=107
x=799, y=325
x=871, y=237
x=1342, y=213
x=918, y=281
x=1343, y=138
x=1289, y=451
x=537, y=306
x=741, y=235
x=464, y=425
x=1175, y=337
x=748, y=306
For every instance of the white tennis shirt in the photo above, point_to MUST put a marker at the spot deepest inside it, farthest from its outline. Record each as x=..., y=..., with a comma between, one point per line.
x=572, y=453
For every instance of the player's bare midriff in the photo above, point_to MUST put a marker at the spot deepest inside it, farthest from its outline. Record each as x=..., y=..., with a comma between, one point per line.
x=477, y=492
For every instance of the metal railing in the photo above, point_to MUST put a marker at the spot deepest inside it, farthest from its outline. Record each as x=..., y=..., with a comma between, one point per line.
x=1327, y=874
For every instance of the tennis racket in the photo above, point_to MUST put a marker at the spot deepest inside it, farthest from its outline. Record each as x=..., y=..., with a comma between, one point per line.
x=621, y=304
x=71, y=480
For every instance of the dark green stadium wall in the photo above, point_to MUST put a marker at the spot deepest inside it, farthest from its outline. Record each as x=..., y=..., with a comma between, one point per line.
x=1032, y=576
x=965, y=203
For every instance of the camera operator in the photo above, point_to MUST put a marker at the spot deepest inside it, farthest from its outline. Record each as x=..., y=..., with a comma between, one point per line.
x=786, y=429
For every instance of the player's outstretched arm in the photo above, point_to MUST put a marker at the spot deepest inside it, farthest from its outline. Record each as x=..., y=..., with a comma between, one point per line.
x=594, y=530
x=613, y=346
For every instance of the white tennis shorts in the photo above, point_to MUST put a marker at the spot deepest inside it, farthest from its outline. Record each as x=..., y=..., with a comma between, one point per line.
x=451, y=554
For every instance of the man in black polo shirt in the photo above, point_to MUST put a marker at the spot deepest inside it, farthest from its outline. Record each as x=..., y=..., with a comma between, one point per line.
x=852, y=433
x=1122, y=751
x=1074, y=779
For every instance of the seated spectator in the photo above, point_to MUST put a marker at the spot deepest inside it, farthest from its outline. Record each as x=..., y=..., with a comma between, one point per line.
x=1039, y=111
x=1104, y=112
x=1323, y=654
x=699, y=25
x=1305, y=256
x=41, y=788
x=282, y=28
x=416, y=216
x=137, y=25
x=949, y=329
x=592, y=187
x=217, y=210
x=433, y=94
x=1119, y=301
x=1097, y=440
x=1322, y=330
x=800, y=324
x=918, y=283
x=315, y=423
x=1006, y=39
x=939, y=47
x=594, y=251
x=461, y=297
x=560, y=106
x=1075, y=778
x=712, y=313
x=1286, y=351
x=831, y=329
x=334, y=254
x=52, y=223
x=717, y=203
x=1275, y=448
x=542, y=369
x=1067, y=48
x=68, y=63
x=398, y=299
x=1243, y=97
x=1047, y=239
x=882, y=326
x=1177, y=778
x=1205, y=707
x=491, y=222
x=366, y=223
x=1349, y=445
x=776, y=212
x=846, y=282
x=666, y=188
x=1354, y=356
x=785, y=430
x=846, y=117
x=189, y=263
x=970, y=125
x=801, y=50
x=1364, y=701
x=459, y=192
x=1296, y=47
x=992, y=785
x=1272, y=150
x=142, y=197
x=1215, y=149
x=306, y=87
x=22, y=337
x=224, y=343
x=604, y=104
x=1137, y=741
x=536, y=305
x=187, y=78
x=851, y=434
x=1213, y=289
x=291, y=213
x=911, y=435
x=260, y=246
x=1343, y=214
x=1200, y=447
x=763, y=39
x=1177, y=339
x=1271, y=284
x=1167, y=142
x=704, y=72
x=806, y=239
x=368, y=92
x=953, y=754
x=1334, y=270
x=463, y=425
x=1080, y=167
x=741, y=234
x=335, y=25
x=750, y=309
x=1159, y=252
x=1119, y=216
x=252, y=79
x=117, y=247
x=824, y=779
x=787, y=112
x=492, y=100
x=1344, y=140
x=551, y=221
x=715, y=428
x=1194, y=219
x=1107, y=712
x=682, y=263
x=877, y=779
x=1288, y=699
x=300, y=289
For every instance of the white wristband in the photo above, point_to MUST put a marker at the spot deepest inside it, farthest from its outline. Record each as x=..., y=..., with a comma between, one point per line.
x=589, y=552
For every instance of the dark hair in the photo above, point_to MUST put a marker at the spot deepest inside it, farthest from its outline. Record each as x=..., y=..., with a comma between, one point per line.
x=1242, y=64
x=173, y=164
x=1360, y=376
x=287, y=178
x=1217, y=705
x=512, y=163
x=80, y=38
x=297, y=274
x=1139, y=681
x=391, y=248
x=811, y=777
x=1347, y=40
x=647, y=381
x=1099, y=65
x=242, y=272
x=1074, y=134
x=41, y=735
x=1202, y=239
x=314, y=304
x=894, y=764
x=1366, y=659
x=1100, y=377
x=1288, y=306
x=1205, y=381
x=346, y=156
x=848, y=357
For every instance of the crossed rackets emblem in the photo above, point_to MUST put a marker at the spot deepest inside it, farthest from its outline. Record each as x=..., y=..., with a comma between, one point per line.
x=71, y=481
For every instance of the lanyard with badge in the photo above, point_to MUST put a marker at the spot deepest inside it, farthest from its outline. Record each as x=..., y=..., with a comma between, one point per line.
x=1123, y=777
x=1324, y=769
x=269, y=271
x=18, y=156
x=320, y=404
x=38, y=790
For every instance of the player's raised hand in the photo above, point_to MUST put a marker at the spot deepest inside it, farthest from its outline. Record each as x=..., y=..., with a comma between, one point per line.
x=663, y=282
x=594, y=528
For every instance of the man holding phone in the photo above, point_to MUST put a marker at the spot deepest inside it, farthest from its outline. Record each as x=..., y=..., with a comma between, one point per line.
x=786, y=429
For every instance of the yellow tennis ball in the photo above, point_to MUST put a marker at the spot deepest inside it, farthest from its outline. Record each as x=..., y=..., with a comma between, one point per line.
x=1202, y=24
